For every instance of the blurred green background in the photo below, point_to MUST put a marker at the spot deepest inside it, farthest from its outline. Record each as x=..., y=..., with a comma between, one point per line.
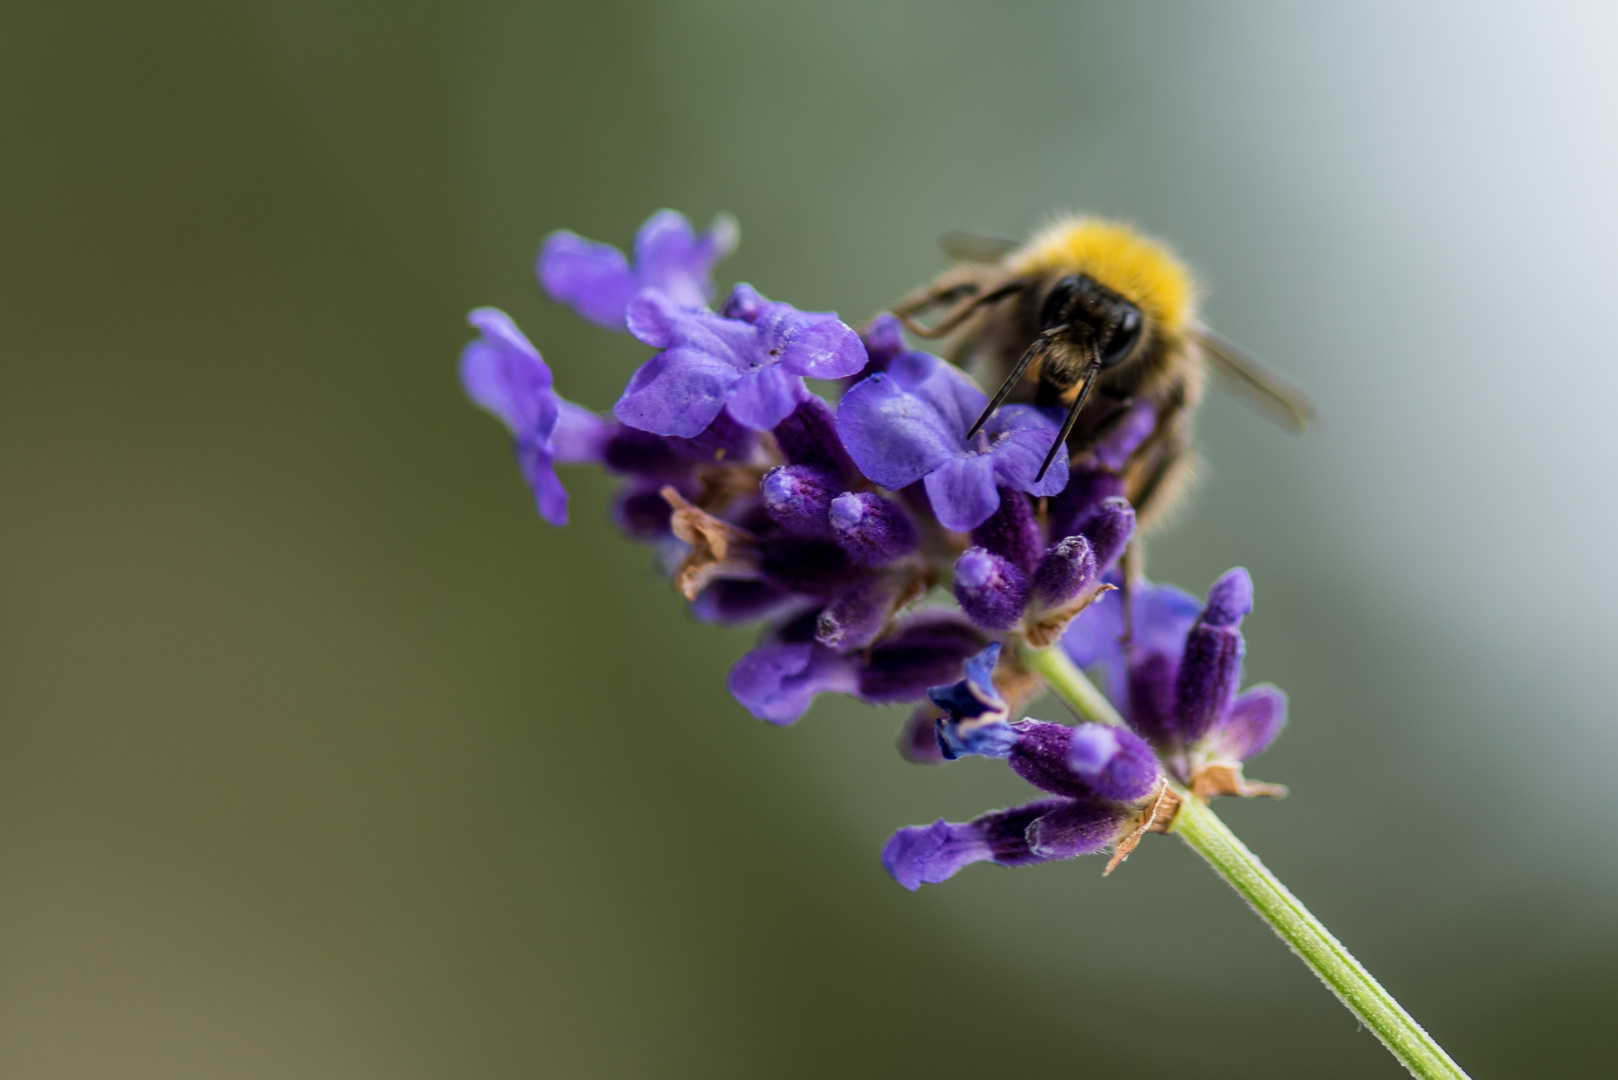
x=322, y=756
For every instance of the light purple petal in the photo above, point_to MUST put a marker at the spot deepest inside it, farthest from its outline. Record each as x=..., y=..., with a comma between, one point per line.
x=962, y=491
x=928, y=854
x=671, y=258
x=762, y=399
x=777, y=682
x=948, y=389
x=592, y=279
x=810, y=343
x=1019, y=438
x=503, y=373
x=677, y=392
x=653, y=319
x=580, y=436
x=1254, y=720
x=894, y=437
x=538, y=470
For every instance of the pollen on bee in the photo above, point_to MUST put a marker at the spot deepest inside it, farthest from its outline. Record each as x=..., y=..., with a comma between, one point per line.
x=1117, y=256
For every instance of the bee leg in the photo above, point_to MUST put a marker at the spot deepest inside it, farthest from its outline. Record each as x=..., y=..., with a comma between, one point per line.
x=974, y=298
x=1132, y=566
x=1166, y=470
x=1091, y=373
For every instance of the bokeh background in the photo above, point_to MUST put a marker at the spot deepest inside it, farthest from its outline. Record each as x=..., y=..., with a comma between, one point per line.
x=322, y=756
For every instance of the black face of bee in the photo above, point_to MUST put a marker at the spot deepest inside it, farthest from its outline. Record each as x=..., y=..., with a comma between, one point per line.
x=1085, y=306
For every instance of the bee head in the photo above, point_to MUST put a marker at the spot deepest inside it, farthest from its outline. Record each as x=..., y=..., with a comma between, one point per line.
x=1096, y=263
x=1105, y=324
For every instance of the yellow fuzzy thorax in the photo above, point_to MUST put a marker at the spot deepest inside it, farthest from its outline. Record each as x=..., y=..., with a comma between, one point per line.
x=1118, y=257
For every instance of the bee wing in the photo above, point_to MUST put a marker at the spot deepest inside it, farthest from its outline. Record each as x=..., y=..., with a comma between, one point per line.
x=1285, y=403
x=971, y=247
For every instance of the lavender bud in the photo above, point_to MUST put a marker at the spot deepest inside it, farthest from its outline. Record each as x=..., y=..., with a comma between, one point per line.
x=1011, y=531
x=1086, y=490
x=990, y=589
x=928, y=649
x=873, y=530
x=1078, y=827
x=798, y=497
x=1067, y=570
x=1117, y=764
x=1108, y=529
x=1230, y=598
x=1211, y=666
x=854, y=619
x=808, y=436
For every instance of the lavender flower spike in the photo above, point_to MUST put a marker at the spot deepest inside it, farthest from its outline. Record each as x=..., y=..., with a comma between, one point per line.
x=596, y=280
x=909, y=423
x=751, y=365
x=504, y=374
x=1035, y=833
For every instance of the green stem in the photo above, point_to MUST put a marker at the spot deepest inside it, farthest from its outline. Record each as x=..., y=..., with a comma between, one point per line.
x=1209, y=837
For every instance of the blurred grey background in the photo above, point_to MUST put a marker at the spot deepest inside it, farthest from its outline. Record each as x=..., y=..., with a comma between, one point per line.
x=322, y=756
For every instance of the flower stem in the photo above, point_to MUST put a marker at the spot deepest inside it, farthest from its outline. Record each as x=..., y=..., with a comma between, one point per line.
x=1209, y=837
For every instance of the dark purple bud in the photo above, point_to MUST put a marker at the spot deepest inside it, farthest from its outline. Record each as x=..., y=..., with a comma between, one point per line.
x=1211, y=665
x=809, y=437
x=810, y=567
x=1151, y=696
x=1210, y=669
x=1040, y=756
x=1108, y=529
x=928, y=649
x=1117, y=764
x=798, y=498
x=643, y=513
x=1079, y=827
x=1230, y=598
x=1253, y=722
x=1012, y=532
x=729, y=601
x=1067, y=570
x=856, y=618
x=873, y=530
x=1086, y=490
x=777, y=681
x=990, y=589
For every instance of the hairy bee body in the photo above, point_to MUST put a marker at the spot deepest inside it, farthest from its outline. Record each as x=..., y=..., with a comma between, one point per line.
x=1092, y=316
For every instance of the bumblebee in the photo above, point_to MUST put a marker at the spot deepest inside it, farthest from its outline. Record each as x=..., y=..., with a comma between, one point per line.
x=1091, y=315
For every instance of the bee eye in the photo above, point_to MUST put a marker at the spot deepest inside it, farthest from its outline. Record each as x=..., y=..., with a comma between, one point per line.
x=1125, y=333
x=1058, y=300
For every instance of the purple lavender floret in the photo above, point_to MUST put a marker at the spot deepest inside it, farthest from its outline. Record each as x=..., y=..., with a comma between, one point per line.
x=1066, y=571
x=778, y=680
x=798, y=498
x=910, y=422
x=596, y=280
x=990, y=589
x=873, y=530
x=1037, y=832
x=503, y=372
x=1177, y=679
x=751, y=366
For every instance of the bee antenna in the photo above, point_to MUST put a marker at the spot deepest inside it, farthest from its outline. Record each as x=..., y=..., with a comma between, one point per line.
x=1090, y=374
x=1015, y=377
